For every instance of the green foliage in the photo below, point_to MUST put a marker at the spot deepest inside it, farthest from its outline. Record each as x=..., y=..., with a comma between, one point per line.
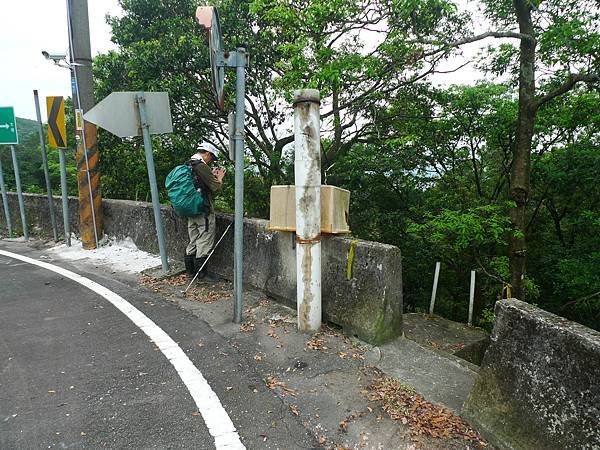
x=487, y=319
x=455, y=232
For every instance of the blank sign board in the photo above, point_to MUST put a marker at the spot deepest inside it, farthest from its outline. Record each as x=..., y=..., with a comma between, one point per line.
x=118, y=113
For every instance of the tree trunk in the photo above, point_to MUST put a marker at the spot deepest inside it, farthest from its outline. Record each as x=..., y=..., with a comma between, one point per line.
x=520, y=170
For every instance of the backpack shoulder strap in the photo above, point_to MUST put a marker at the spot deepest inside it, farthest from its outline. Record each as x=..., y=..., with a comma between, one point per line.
x=192, y=163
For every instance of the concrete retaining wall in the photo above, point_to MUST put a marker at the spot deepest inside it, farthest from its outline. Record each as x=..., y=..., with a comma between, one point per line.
x=539, y=384
x=368, y=305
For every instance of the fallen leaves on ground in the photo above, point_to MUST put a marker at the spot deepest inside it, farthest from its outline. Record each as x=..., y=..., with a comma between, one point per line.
x=273, y=383
x=433, y=344
x=207, y=296
x=155, y=283
x=456, y=347
x=247, y=327
x=271, y=333
x=344, y=426
x=316, y=343
x=403, y=404
x=294, y=410
x=330, y=331
x=202, y=294
x=351, y=354
x=276, y=323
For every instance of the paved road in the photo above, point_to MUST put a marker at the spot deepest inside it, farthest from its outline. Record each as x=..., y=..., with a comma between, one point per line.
x=75, y=372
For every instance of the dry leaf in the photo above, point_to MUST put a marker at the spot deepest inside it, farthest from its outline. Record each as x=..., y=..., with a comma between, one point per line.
x=316, y=343
x=247, y=327
x=402, y=403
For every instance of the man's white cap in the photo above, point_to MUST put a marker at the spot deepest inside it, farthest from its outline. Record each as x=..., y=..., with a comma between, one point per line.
x=206, y=147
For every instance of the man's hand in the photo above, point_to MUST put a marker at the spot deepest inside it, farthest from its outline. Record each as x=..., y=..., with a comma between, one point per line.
x=219, y=174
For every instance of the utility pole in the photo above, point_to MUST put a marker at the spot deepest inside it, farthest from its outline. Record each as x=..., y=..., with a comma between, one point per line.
x=88, y=173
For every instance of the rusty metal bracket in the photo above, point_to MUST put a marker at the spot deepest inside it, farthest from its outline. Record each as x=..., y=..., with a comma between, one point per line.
x=314, y=240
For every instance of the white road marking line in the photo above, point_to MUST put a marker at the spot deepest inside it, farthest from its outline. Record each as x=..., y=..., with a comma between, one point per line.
x=215, y=417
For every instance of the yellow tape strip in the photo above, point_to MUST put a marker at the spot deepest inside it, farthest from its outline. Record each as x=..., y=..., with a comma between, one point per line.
x=351, y=254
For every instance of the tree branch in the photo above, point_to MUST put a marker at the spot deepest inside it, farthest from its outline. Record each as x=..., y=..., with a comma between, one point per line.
x=571, y=81
x=479, y=37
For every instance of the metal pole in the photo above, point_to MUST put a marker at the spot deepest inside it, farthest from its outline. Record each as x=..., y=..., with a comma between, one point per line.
x=65, y=197
x=240, y=102
x=141, y=101
x=307, y=174
x=471, y=297
x=435, y=283
x=45, y=163
x=19, y=192
x=5, y=201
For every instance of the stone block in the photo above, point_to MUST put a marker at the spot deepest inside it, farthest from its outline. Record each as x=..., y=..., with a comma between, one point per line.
x=538, y=387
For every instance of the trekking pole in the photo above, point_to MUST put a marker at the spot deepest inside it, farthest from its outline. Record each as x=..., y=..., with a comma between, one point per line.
x=208, y=257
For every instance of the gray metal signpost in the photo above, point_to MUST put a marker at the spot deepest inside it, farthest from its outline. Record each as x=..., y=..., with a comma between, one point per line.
x=141, y=102
x=208, y=17
x=138, y=112
x=45, y=163
x=19, y=192
x=65, y=196
x=239, y=62
x=5, y=201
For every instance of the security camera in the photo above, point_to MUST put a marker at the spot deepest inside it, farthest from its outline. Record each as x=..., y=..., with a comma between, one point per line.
x=56, y=57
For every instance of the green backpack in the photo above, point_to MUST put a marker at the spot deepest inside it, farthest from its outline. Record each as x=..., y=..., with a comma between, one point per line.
x=184, y=196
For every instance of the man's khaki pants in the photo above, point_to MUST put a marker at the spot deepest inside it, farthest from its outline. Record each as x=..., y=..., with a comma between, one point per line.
x=201, y=230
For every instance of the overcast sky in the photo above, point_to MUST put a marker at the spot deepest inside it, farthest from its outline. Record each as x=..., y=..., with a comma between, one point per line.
x=26, y=28
x=29, y=26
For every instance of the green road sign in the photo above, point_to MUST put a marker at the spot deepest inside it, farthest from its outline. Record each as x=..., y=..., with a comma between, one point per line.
x=8, y=126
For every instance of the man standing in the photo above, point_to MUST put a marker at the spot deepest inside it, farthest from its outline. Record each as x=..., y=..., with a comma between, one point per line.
x=201, y=228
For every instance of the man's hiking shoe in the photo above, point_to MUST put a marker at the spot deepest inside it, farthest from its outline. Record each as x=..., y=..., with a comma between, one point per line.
x=190, y=268
x=204, y=275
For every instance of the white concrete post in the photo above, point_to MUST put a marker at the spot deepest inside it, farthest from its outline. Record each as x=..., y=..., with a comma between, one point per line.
x=471, y=298
x=307, y=170
x=434, y=290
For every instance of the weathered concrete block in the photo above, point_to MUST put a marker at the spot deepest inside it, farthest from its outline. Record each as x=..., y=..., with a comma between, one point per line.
x=538, y=387
x=38, y=216
x=368, y=305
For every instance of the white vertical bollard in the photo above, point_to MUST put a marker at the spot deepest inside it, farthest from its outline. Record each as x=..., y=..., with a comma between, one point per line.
x=471, y=297
x=307, y=171
x=434, y=290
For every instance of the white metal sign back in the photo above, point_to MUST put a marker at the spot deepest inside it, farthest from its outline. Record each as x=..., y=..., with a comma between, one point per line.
x=118, y=113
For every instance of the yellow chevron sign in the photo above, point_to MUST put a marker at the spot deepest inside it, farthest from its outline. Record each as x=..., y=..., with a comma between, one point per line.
x=57, y=132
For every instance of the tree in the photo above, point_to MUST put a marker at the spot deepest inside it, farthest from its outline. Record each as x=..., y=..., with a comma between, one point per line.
x=559, y=38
